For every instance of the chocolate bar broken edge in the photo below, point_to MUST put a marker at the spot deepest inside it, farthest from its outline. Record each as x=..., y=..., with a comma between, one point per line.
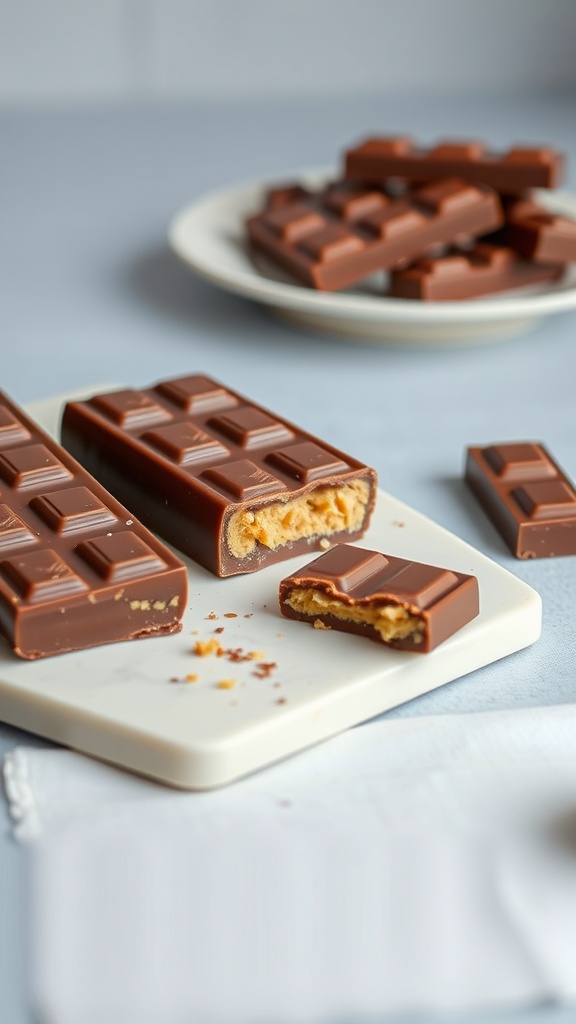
x=454, y=607
x=187, y=515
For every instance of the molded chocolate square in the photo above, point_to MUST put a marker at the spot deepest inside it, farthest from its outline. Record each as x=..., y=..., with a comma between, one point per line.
x=251, y=488
x=250, y=428
x=306, y=461
x=117, y=557
x=14, y=533
x=76, y=508
x=32, y=465
x=41, y=576
x=197, y=394
x=184, y=443
x=528, y=498
x=411, y=606
x=130, y=408
x=12, y=431
x=52, y=598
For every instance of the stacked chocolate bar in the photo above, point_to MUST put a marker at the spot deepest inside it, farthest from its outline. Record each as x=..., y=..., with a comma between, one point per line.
x=453, y=221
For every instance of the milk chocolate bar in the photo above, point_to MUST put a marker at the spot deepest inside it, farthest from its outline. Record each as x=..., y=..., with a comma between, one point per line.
x=460, y=274
x=407, y=605
x=377, y=159
x=336, y=237
x=226, y=481
x=527, y=497
x=537, y=234
x=76, y=568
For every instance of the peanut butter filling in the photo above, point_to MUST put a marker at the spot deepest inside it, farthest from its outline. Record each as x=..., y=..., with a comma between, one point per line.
x=318, y=513
x=391, y=621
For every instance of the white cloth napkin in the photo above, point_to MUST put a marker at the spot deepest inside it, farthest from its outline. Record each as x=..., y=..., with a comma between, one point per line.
x=409, y=865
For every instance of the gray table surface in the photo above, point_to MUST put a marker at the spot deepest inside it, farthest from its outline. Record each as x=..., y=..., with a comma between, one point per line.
x=91, y=293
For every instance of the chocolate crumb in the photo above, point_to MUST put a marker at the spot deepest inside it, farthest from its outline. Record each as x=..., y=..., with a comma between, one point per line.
x=226, y=684
x=264, y=669
x=205, y=647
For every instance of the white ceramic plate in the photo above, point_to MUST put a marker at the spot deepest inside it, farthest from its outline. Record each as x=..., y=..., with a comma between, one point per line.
x=209, y=236
x=131, y=703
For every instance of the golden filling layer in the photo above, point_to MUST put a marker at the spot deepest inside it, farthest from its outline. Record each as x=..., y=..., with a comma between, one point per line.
x=391, y=621
x=319, y=513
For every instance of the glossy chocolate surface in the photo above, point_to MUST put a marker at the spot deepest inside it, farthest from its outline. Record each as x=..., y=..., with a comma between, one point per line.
x=76, y=568
x=215, y=474
x=336, y=237
x=529, y=499
x=537, y=234
x=369, y=584
x=466, y=274
x=512, y=171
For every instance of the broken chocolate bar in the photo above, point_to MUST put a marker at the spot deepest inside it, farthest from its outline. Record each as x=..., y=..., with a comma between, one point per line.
x=336, y=237
x=538, y=234
x=224, y=480
x=76, y=569
x=408, y=605
x=467, y=274
x=378, y=159
x=530, y=501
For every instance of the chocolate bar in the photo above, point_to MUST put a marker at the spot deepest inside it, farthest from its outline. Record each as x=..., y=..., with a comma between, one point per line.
x=459, y=274
x=377, y=159
x=528, y=498
x=336, y=237
x=537, y=234
x=76, y=568
x=224, y=480
x=404, y=604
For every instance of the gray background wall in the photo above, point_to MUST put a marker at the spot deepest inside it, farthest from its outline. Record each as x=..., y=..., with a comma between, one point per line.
x=62, y=50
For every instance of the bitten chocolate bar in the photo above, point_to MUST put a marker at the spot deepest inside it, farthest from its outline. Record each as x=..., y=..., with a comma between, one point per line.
x=224, y=480
x=408, y=605
x=527, y=496
x=537, y=234
x=460, y=274
x=377, y=159
x=76, y=569
x=336, y=237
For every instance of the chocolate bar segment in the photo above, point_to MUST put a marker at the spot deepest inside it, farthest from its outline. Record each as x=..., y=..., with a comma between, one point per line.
x=529, y=499
x=467, y=274
x=76, y=569
x=408, y=605
x=377, y=159
x=224, y=480
x=336, y=237
x=537, y=234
